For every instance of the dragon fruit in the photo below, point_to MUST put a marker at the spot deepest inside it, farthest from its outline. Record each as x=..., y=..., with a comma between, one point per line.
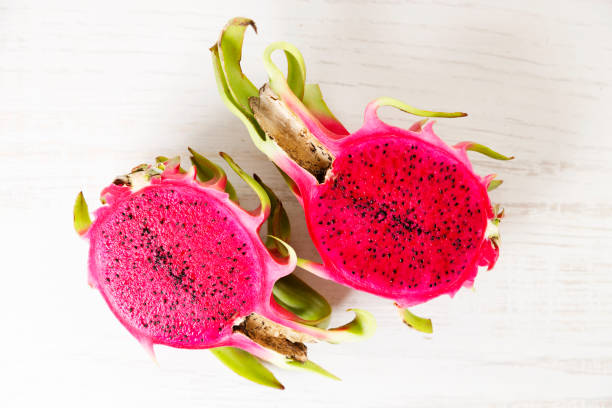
x=181, y=264
x=393, y=212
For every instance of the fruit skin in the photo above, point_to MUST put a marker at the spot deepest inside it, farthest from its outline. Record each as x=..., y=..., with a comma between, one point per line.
x=296, y=130
x=154, y=256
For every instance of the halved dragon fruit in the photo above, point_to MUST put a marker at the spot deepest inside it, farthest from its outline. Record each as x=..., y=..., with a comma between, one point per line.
x=180, y=263
x=394, y=212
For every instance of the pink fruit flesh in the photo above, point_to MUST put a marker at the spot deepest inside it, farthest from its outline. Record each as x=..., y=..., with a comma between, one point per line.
x=175, y=265
x=400, y=217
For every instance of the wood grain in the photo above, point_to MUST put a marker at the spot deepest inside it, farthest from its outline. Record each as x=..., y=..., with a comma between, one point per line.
x=89, y=89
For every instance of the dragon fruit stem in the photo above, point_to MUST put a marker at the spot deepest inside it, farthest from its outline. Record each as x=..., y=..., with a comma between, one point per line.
x=280, y=360
x=290, y=133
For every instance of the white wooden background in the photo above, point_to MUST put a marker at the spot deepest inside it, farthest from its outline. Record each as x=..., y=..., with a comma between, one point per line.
x=89, y=89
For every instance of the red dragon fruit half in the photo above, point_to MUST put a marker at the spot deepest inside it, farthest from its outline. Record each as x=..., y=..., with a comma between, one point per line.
x=181, y=264
x=394, y=212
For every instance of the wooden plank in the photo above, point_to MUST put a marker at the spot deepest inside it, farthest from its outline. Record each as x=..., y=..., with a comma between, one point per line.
x=88, y=90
